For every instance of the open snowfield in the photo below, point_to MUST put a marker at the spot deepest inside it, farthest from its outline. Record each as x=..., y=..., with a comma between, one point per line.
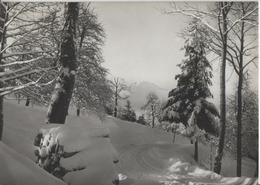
x=146, y=155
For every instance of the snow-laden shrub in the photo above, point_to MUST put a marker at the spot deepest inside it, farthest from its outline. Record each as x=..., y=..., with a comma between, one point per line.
x=49, y=151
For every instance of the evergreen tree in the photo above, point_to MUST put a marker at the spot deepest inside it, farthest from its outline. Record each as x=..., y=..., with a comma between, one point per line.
x=187, y=102
x=141, y=120
x=128, y=113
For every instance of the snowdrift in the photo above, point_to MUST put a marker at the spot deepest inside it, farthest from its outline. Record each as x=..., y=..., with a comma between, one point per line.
x=19, y=170
x=86, y=134
x=81, y=146
x=146, y=156
x=93, y=157
x=150, y=158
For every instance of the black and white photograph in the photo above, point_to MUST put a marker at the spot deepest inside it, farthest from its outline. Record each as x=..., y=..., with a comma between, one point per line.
x=129, y=92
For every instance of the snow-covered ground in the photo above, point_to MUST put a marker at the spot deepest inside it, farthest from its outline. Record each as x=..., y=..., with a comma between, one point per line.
x=146, y=155
x=17, y=169
x=87, y=135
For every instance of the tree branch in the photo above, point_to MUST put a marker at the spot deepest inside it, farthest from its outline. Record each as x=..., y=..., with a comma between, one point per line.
x=250, y=61
x=241, y=19
x=22, y=62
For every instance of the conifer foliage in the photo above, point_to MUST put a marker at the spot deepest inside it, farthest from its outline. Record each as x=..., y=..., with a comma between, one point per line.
x=187, y=102
x=128, y=113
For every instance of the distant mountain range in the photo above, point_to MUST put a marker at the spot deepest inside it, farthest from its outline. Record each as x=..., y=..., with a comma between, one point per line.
x=139, y=91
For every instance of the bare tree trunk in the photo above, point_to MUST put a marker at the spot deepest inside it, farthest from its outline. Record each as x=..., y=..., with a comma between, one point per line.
x=218, y=157
x=78, y=111
x=196, y=150
x=174, y=135
x=3, y=19
x=18, y=98
x=27, y=103
x=116, y=103
x=152, y=116
x=239, y=103
x=59, y=105
x=256, y=169
x=211, y=156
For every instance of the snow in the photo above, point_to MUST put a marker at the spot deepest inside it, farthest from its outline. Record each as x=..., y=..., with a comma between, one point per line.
x=146, y=155
x=95, y=152
x=88, y=135
x=19, y=170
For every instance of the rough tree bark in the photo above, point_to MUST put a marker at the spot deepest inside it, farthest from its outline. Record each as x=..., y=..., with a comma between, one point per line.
x=3, y=18
x=59, y=105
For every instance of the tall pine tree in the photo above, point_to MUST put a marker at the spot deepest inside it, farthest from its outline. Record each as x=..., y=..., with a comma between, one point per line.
x=187, y=102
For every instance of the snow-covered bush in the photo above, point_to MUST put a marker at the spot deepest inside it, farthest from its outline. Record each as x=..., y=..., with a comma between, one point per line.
x=49, y=151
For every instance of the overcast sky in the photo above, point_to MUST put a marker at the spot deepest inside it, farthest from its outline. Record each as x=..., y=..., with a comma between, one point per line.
x=142, y=43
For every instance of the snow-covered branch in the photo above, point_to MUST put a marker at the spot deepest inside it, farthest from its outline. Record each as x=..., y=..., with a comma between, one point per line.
x=10, y=72
x=194, y=14
x=22, y=62
x=241, y=19
x=22, y=53
x=8, y=90
x=16, y=14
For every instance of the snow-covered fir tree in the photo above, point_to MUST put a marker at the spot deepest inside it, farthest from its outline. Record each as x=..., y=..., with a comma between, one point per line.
x=187, y=102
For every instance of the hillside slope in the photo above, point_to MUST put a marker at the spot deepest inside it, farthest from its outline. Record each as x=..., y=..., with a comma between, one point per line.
x=146, y=155
x=19, y=170
x=83, y=134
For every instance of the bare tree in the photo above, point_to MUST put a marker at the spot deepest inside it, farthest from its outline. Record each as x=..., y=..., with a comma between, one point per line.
x=25, y=55
x=152, y=106
x=224, y=8
x=34, y=39
x=242, y=46
x=92, y=90
x=118, y=87
x=12, y=70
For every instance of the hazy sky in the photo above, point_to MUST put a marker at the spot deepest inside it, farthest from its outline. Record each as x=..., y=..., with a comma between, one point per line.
x=142, y=43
